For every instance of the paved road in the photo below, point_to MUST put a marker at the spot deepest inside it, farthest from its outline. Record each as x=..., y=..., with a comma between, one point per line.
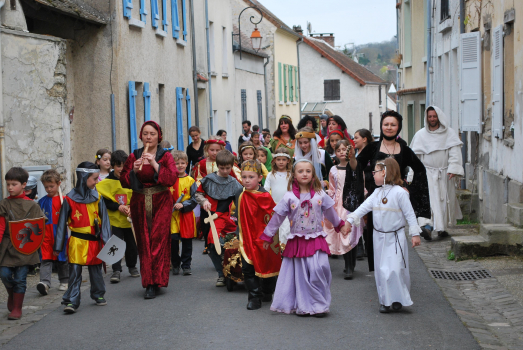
x=193, y=314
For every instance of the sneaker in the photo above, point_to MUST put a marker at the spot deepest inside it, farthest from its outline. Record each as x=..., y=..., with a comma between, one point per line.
x=42, y=288
x=63, y=286
x=186, y=272
x=69, y=309
x=426, y=233
x=176, y=271
x=101, y=302
x=134, y=272
x=115, y=277
x=220, y=282
x=205, y=251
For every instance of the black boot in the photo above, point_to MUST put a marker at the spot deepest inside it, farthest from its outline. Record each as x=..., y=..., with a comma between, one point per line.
x=150, y=292
x=350, y=263
x=267, y=286
x=360, y=250
x=255, y=294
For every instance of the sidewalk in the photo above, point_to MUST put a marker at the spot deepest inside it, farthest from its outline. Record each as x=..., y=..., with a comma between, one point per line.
x=490, y=305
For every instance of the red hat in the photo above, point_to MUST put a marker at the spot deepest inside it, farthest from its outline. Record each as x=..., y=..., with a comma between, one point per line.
x=154, y=125
x=337, y=132
x=219, y=142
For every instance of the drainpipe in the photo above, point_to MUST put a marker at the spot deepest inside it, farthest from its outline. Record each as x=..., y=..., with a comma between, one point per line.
x=299, y=73
x=428, y=91
x=398, y=104
x=2, y=125
x=464, y=139
x=195, y=73
x=266, y=92
x=209, y=63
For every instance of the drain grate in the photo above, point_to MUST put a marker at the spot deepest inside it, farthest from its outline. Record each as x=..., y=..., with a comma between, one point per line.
x=460, y=275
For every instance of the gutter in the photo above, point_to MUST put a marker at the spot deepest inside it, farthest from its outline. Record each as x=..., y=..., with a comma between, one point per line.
x=464, y=138
x=2, y=125
x=266, y=92
x=209, y=66
x=398, y=103
x=195, y=73
x=429, y=53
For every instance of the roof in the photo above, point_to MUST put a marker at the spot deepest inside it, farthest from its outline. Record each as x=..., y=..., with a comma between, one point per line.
x=74, y=8
x=271, y=17
x=412, y=91
x=355, y=70
x=246, y=43
x=201, y=78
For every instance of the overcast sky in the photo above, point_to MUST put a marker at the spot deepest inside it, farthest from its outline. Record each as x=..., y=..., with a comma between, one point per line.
x=351, y=21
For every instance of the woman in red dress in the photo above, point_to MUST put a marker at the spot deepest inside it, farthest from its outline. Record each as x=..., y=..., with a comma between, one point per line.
x=150, y=174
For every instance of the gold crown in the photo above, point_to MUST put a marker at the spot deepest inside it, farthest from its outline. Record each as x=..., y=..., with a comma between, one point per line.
x=304, y=134
x=252, y=165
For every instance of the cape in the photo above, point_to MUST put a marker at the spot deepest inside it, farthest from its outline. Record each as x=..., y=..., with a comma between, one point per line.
x=426, y=141
x=255, y=210
x=112, y=189
x=220, y=188
x=51, y=207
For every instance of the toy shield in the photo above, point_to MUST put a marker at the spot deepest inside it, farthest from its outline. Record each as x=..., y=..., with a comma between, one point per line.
x=113, y=251
x=27, y=235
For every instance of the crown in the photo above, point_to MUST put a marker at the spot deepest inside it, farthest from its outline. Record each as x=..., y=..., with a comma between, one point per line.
x=252, y=165
x=304, y=134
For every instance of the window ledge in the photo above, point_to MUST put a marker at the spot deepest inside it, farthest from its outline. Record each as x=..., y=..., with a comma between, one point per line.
x=333, y=101
x=445, y=25
x=160, y=33
x=295, y=103
x=509, y=142
x=281, y=103
x=424, y=59
x=133, y=22
x=407, y=65
x=181, y=42
x=225, y=75
x=213, y=74
x=288, y=103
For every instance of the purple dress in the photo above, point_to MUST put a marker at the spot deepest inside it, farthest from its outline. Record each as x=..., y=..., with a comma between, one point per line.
x=304, y=282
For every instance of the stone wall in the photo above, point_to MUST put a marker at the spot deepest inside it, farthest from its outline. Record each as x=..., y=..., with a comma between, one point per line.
x=34, y=101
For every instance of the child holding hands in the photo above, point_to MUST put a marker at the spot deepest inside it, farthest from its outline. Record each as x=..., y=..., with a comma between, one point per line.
x=391, y=210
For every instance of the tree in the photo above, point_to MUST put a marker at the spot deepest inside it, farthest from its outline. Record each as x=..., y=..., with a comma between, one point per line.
x=363, y=60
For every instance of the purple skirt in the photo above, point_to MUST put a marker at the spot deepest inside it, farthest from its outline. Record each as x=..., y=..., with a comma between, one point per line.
x=299, y=247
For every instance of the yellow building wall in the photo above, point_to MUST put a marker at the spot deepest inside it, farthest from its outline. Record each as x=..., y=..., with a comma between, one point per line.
x=285, y=52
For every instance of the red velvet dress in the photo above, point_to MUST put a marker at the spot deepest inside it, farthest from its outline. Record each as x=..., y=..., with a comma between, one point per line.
x=152, y=236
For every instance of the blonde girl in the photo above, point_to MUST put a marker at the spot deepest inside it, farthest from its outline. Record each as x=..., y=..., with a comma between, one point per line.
x=303, y=285
x=247, y=151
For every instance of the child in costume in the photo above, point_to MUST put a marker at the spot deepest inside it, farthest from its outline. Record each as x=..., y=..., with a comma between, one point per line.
x=117, y=200
x=208, y=165
x=254, y=209
x=391, y=210
x=307, y=148
x=51, y=205
x=84, y=213
x=247, y=151
x=183, y=225
x=215, y=194
x=103, y=160
x=341, y=244
x=264, y=157
x=14, y=264
x=277, y=182
x=304, y=283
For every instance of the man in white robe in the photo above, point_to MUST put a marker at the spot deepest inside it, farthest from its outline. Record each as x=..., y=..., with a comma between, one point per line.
x=439, y=149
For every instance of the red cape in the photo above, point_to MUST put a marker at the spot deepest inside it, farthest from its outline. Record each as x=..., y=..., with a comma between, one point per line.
x=254, y=213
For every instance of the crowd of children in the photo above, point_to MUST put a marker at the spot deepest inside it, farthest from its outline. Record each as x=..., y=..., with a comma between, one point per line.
x=286, y=211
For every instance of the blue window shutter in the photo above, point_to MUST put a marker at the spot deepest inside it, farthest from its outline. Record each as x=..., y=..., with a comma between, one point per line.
x=155, y=16
x=179, y=120
x=127, y=6
x=165, y=22
x=143, y=11
x=189, y=111
x=175, y=19
x=146, y=102
x=132, y=116
x=184, y=18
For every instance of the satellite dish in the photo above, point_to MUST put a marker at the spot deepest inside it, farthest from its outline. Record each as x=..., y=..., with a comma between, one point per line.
x=309, y=28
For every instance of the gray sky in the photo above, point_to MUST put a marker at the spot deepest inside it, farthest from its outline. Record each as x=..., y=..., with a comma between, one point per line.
x=351, y=21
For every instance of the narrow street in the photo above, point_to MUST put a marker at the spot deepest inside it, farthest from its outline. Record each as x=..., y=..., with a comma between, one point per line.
x=193, y=314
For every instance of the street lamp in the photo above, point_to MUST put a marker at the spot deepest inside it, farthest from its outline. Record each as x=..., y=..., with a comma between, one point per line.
x=256, y=38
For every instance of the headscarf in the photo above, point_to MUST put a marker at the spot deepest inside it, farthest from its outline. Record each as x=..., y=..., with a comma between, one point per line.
x=81, y=193
x=398, y=117
x=154, y=125
x=313, y=155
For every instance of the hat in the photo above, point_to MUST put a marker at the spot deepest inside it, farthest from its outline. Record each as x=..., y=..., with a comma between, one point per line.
x=324, y=117
x=31, y=183
x=154, y=125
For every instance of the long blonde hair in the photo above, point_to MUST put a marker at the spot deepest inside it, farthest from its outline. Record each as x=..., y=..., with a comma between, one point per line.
x=315, y=183
x=289, y=163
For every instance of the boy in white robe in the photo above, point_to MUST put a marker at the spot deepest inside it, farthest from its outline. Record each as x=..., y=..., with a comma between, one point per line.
x=391, y=209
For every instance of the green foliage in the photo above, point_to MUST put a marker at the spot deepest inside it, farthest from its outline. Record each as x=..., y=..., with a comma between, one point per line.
x=363, y=60
x=467, y=222
x=450, y=255
x=383, y=70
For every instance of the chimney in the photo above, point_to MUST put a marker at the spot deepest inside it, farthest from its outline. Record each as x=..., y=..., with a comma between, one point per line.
x=298, y=29
x=327, y=37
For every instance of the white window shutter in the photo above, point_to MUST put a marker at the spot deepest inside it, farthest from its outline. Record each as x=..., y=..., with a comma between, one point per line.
x=497, y=82
x=470, y=59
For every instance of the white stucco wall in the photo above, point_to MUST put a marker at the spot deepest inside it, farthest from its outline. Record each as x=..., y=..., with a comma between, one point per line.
x=356, y=101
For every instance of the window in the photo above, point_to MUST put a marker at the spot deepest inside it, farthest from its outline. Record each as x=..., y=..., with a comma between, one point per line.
x=331, y=90
x=260, y=109
x=175, y=19
x=444, y=10
x=211, y=47
x=422, y=115
x=244, y=104
x=146, y=102
x=497, y=82
x=291, y=83
x=155, y=15
x=165, y=22
x=225, y=63
x=471, y=87
x=508, y=80
x=161, y=105
x=296, y=85
x=179, y=118
x=285, y=87
x=179, y=18
x=280, y=90
x=228, y=121
x=189, y=109
x=407, y=35
x=410, y=119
